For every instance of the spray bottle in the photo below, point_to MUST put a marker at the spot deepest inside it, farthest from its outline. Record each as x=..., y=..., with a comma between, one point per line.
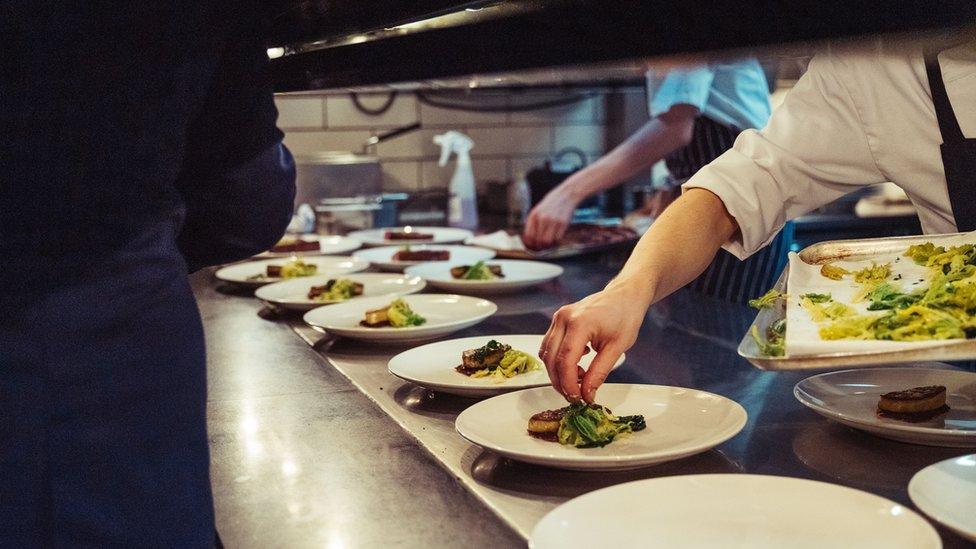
x=462, y=210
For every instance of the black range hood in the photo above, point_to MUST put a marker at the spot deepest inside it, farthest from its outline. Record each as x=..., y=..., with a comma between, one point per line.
x=347, y=43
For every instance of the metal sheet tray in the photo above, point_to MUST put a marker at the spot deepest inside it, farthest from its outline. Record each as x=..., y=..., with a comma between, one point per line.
x=824, y=252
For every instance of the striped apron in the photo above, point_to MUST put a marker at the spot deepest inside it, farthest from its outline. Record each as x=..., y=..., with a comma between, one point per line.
x=727, y=277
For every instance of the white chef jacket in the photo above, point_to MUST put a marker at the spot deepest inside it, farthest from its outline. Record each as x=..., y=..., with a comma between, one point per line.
x=856, y=118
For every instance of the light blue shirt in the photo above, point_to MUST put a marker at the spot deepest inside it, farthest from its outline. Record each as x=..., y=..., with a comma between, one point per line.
x=734, y=94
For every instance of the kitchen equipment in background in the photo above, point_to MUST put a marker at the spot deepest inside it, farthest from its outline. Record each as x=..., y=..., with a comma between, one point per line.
x=342, y=174
x=462, y=210
x=343, y=215
x=557, y=169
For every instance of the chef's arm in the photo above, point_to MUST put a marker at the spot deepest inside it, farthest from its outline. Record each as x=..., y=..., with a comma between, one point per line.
x=656, y=139
x=238, y=212
x=238, y=179
x=678, y=247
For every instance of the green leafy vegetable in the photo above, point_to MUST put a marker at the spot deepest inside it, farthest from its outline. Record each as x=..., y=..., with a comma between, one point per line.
x=513, y=363
x=401, y=315
x=945, y=309
x=774, y=344
x=479, y=271
x=826, y=311
x=875, y=274
x=817, y=298
x=766, y=300
x=592, y=426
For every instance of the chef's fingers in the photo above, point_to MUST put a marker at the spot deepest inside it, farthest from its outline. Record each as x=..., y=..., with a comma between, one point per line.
x=550, y=344
x=567, y=361
x=530, y=231
x=599, y=369
x=554, y=230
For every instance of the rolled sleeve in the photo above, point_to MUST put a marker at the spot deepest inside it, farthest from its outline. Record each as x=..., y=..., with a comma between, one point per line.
x=813, y=151
x=683, y=87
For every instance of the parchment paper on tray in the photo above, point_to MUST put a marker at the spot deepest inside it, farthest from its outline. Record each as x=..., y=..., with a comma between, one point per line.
x=802, y=337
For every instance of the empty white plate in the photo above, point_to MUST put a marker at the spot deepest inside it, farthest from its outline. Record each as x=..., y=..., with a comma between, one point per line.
x=440, y=235
x=293, y=294
x=328, y=245
x=241, y=273
x=517, y=276
x=732, y=511
x=946, y=492
x=445, y=314
x=680, y=422
x=432, y=366
x=851, y=397
x=383, y=257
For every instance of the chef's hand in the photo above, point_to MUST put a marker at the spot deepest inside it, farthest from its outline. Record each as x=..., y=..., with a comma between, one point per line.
x=608, y=321
x=549, y=219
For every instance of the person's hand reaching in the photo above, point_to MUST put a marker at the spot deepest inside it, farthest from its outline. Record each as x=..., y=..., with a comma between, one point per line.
x=608, y=321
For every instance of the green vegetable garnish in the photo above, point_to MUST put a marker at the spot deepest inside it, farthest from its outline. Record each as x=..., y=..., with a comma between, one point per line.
x=774, y=344
x=593, y=426
x=946, y=309
x=826, y=311
x=479, y=271
x=400, y=315
x=875, y=274
x=297, y=268
x=766, y=300
x=513, y=363
x=817, y=298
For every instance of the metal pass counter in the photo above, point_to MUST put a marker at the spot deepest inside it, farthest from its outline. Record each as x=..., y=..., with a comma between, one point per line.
x=315, y=443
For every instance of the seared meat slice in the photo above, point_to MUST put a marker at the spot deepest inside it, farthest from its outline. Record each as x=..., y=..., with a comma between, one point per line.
x=545, y=425
x=461, y=270
x=481, y=358
x=916, y=399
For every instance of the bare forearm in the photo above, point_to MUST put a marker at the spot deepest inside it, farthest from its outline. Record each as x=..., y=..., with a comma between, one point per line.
x=678, y=247
x=658, y=138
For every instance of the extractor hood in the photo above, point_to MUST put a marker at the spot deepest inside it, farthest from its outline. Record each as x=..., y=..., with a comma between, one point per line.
x=323, y=44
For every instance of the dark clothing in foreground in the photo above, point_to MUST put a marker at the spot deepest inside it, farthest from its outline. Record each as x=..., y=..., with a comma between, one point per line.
x=139, y=141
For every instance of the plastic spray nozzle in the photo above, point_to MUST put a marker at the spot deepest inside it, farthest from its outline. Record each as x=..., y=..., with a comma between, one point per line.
x=452, y=142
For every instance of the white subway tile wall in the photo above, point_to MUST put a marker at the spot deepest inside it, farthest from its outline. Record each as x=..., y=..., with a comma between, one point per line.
x=506, y=144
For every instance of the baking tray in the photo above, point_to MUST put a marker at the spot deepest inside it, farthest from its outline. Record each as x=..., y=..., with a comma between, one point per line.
x=824, y=252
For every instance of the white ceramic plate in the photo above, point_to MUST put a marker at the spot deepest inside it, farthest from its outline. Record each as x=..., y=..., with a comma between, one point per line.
x=432, y=366
x=293, y=294
x=732, y=511
x=851, y=397
x=328, y=245
x=518, y=275
x=383, y=257
x=680, y=422
x=946, y=492
x=445, y=314
x=442, y=235
x=239, y=273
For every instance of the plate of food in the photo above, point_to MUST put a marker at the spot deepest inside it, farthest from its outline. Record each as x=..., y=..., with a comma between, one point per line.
x=303, y=294
x=486, y=276
x=477, y=366
x=291, y=245
x=935, y=407
x=265, y=271
x=407, y=319
x=732, y=510
x=946, y=492
x=398, y=258
x=410, y=235
x=633, y=426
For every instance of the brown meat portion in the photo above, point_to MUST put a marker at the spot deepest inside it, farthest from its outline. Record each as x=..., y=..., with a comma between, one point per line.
x=545, y=424
x=914, y=400
x=490, y=355
x=401, y=235
x=298, y=245
x=422, y=255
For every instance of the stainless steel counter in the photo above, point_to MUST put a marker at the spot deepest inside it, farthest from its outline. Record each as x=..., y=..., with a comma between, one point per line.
x=301, y=458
